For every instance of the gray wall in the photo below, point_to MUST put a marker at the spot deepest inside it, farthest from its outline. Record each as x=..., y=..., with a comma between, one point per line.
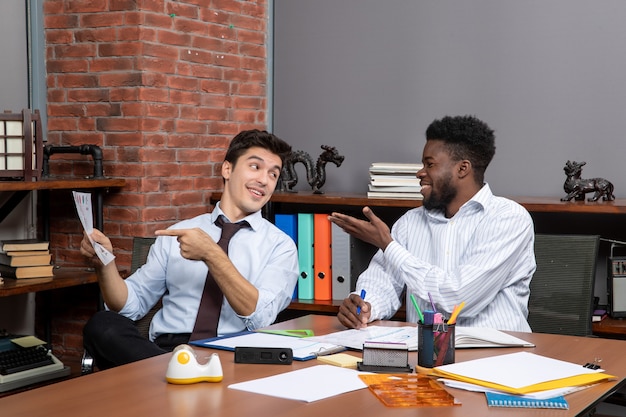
x=14, y=53
x=17, y=313
x=368, y=76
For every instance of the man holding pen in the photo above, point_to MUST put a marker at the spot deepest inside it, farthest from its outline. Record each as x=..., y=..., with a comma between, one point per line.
x=250, y=276
x=462, y=245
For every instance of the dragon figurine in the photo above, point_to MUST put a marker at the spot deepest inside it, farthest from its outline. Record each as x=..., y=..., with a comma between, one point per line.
x=316, y=174
x=576, y=188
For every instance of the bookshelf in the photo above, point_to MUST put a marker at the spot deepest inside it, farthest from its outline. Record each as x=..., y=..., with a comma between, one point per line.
x=63, y=277
x=20, y=189
x=551, y=215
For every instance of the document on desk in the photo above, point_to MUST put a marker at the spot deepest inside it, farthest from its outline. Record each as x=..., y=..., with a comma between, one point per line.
x=308, y=384
x=304, y=348
x=521, y=373
x=354, y=338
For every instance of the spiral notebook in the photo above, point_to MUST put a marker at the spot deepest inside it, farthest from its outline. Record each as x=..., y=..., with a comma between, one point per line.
x=519, y=401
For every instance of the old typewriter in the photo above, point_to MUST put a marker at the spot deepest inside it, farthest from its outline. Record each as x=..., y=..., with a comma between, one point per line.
x=24, y=365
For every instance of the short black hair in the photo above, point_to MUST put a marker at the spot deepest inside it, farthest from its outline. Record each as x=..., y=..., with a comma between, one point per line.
x=247, y=139
x=466, y=137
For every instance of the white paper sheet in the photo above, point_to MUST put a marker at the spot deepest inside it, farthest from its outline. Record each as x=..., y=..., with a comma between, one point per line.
x=517, y=370
x=354, y=338
x=83, y=206
x=308, y=384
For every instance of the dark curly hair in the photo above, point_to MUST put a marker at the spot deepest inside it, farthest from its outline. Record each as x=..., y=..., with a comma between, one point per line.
x=466, y=137
x=256, y=138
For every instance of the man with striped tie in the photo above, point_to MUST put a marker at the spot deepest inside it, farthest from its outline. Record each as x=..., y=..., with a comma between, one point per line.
x=218, y=273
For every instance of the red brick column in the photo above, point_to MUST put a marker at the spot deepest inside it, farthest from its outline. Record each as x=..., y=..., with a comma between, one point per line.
x=161, y=86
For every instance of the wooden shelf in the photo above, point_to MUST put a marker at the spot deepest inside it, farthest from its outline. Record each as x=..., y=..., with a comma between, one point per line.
x=330, y=307
x=610, y=328
x=61, y=184
x=532, y=204
x=555, y=205
x=63, y=277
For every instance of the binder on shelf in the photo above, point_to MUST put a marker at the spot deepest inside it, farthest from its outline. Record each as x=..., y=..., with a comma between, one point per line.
x=305, y=256
x=288, y=223
x=322, y=258
x=341, y=263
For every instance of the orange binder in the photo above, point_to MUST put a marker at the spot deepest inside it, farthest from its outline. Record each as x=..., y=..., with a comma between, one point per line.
x=322, y=257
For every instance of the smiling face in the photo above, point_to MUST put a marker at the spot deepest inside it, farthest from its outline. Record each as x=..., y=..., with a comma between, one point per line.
x=438, y=180
x=249, y=182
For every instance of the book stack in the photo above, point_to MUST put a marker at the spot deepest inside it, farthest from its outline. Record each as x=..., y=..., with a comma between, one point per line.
x=25, y=258
x=394, y=180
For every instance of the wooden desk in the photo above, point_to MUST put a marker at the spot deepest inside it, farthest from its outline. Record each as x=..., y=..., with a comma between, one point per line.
x=140, y=388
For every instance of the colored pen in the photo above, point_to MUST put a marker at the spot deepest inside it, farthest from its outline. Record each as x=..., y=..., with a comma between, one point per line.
x=419, y=312
x=432, y=303
x=358, y=309
x=455, y=313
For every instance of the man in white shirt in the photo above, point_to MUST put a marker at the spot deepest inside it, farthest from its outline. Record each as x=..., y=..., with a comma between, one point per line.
x=463, y=245
x=257, y=276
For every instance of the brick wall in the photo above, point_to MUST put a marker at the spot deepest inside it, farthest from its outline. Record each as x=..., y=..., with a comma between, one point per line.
x=161, y=86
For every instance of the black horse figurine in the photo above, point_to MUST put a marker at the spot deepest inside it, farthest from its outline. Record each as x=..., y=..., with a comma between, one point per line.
x=576, y=188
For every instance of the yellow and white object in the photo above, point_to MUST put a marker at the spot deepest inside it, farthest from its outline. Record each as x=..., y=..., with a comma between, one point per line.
x=184, y=368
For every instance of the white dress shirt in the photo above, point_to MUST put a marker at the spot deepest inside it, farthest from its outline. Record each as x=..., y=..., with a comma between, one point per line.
x=483, y=255
x=262, y=253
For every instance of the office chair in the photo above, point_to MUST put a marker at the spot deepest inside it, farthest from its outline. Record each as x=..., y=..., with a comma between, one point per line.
x=561, y=290
x=141, y=248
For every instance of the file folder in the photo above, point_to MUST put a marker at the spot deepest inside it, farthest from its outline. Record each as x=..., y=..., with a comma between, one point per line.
x=304, y=348
x=341, y=262
x=305, y=256
x=288, y=223
x=322, y=256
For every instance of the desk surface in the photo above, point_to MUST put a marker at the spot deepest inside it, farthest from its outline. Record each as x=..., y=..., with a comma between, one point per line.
x=140, y=388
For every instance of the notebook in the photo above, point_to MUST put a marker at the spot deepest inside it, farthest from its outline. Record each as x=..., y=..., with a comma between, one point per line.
x=483, y=337
x=519, y=401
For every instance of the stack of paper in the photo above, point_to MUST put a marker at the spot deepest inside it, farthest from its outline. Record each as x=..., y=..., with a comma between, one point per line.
x=394, y=180
x=521, y=373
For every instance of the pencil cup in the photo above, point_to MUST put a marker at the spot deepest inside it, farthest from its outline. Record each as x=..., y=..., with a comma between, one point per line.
x=435, y=344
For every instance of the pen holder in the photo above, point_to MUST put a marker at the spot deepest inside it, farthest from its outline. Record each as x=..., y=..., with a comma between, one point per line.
x=435, y=344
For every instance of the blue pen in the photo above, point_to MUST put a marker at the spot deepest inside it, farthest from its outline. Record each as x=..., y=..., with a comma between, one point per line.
x=358, y=309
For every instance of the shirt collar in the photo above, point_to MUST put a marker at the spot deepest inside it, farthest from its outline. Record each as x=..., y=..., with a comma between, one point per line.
x=255, y=219
x=481, y=198
x=479, y=201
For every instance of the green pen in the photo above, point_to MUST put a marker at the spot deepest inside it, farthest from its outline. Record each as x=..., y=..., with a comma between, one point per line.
x=419, y=312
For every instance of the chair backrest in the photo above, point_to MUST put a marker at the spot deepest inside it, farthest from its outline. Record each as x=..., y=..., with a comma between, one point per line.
x=141, y=248
x=561, y=291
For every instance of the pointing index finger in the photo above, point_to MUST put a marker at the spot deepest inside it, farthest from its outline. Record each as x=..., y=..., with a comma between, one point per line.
x=170, y=232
